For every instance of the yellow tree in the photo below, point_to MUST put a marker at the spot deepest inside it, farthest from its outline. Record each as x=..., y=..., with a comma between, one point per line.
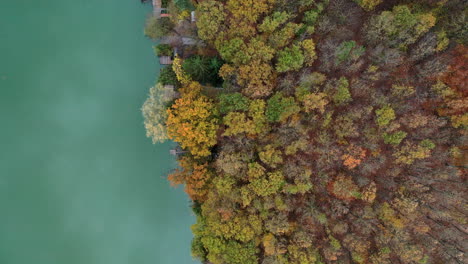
x=192, y=121
x=258, y=79
x=245, y=14
x=238, y=123
x=211, y=16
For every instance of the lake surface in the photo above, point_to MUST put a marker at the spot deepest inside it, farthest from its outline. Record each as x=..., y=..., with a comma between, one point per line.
x=79, y=181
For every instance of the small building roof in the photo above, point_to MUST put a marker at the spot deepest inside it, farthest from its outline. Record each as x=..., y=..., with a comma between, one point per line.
x=192, y=16
x=188, y=41
x=169, y=93
x=177, y=151
x=165, y=60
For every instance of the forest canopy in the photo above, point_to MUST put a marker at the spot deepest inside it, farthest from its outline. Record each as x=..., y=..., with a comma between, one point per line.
x=336, y=133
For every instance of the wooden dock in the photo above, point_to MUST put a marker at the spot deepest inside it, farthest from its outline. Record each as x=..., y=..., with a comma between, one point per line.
x=157, y=7
x=165, y=60
x=158, y=10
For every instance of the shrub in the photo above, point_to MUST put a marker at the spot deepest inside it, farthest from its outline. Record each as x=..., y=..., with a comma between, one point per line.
x=183, y=4
x=163, y=50
x=168, y=76
x=426, y=143
x=164, y=3
x=156, y=28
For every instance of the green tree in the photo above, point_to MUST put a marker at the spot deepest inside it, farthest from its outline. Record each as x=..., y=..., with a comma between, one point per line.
x=197, y=67
x=268, y=185
x=394, y=138
x=384, y=115
x=157, y=28
x=233, y=102
x=282, y=37
x=399, y=27
x=341, y=94
x=348, y=50
x=280, y=108
x=233, y=50
x=168, y=76
x=289, y=59
x=258, y=50
x=310, y=17
x=237, y=253
x=163, y=50
x=272, y=22
x=203, y=69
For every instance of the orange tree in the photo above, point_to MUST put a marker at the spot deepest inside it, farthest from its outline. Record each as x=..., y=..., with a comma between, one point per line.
x=192, y=121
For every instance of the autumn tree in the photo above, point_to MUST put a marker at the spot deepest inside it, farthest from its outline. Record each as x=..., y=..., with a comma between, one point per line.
x=211, y=16
x=368, y=5
x=384, y=115
x=280, y=107
x=196, y=177
x=192, y=121
x=238, y=123
x=337, y=137
x=399, y=27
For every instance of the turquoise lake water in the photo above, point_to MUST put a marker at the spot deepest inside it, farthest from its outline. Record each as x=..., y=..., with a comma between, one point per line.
x=79, y=181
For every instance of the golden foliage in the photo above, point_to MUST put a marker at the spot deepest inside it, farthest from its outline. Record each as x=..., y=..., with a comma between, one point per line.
x=191, y=121
x=182, y=77
x=196, y=178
